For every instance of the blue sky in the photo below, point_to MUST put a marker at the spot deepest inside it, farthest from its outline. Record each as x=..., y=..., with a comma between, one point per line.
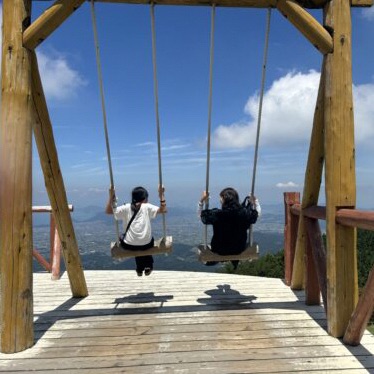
x=68, y=69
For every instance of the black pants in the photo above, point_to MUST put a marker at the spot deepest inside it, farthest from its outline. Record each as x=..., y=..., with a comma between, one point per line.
x=142, y=262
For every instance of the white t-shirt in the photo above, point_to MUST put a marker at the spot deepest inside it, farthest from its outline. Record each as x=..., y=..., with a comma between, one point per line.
x=140, y=232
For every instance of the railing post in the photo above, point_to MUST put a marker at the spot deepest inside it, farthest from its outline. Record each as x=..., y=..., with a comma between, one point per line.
x=56, y=253
x=55, y=245
x=52, y=231
x=319, y=257
x=312, y=286
x=290, y=233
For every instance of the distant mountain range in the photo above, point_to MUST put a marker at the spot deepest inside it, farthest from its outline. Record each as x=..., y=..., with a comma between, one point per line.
x=95, y=230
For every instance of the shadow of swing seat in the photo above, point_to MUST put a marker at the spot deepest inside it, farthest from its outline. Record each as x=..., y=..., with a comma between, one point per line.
x=162, y=246
x=250, y=253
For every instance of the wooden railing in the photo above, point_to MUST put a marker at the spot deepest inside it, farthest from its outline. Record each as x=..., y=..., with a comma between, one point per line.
x=315, y=258
x=53, y=265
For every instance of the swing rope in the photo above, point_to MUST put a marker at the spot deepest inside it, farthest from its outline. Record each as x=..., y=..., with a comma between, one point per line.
x=259, y=117
x=212, y=29
x=155, y=89
x=264, y=65
x=101, y=86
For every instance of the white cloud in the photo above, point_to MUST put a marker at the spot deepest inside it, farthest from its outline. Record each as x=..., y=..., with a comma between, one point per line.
x=287, y=114
x=145, y=144
x=97, y=190
x=60, y=80
x=364, y=112
x=368, y=13
x=286, y=185
x=288, y=110
x=175, y=147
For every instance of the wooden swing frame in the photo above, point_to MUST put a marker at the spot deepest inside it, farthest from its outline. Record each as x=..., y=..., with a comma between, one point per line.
x=24, y=110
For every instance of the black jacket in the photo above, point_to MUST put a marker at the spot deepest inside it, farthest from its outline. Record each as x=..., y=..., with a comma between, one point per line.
x=229, y=228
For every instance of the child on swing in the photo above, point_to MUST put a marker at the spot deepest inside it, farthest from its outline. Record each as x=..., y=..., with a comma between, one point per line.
x=136, y=220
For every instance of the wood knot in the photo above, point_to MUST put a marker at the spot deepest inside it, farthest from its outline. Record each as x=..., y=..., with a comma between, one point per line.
x=26, y=294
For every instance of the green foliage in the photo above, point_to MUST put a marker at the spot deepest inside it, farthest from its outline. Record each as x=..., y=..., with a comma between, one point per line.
x=270, y=266
x=365, y=255
x=371, y=328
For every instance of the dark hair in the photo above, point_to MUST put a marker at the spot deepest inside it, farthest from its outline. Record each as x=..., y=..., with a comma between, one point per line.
x=230, y=198
x=138, y=194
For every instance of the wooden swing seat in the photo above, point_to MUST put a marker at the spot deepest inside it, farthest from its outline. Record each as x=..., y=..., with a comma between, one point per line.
x=162, y=245
x=250, y=253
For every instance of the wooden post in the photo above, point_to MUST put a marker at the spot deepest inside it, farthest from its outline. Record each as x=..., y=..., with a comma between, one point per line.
x=362, y=313
x=16, y=182
x=55, y=185
x=290, y=233
x=312, y=182
x=306, y=24
x=342, y=290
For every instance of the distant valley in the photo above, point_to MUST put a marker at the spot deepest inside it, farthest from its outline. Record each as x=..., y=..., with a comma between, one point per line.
x=95, y=230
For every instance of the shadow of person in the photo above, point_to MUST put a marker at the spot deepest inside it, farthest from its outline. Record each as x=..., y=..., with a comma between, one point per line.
x=143, y=298
x=224, y=294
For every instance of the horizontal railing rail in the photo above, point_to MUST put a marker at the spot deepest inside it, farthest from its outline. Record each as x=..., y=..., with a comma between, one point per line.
x=316, y=257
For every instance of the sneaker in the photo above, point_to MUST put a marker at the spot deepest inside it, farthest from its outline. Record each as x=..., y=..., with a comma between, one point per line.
x=140, y=273
x=148, y=271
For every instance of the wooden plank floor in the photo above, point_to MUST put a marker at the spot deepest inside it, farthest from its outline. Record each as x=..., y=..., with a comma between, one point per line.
x=181, y=322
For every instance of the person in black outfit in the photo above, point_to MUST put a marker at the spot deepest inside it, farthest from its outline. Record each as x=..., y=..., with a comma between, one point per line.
x=230, y=223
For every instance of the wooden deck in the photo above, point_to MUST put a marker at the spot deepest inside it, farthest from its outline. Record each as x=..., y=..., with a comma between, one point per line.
x=181, y=322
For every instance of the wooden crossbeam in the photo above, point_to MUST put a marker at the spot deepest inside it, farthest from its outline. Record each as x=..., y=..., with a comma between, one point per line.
x=311, y=4
x=59, y=11
x=49, y=21
x=307, y=25
x=47, y=208
x=237, y=3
